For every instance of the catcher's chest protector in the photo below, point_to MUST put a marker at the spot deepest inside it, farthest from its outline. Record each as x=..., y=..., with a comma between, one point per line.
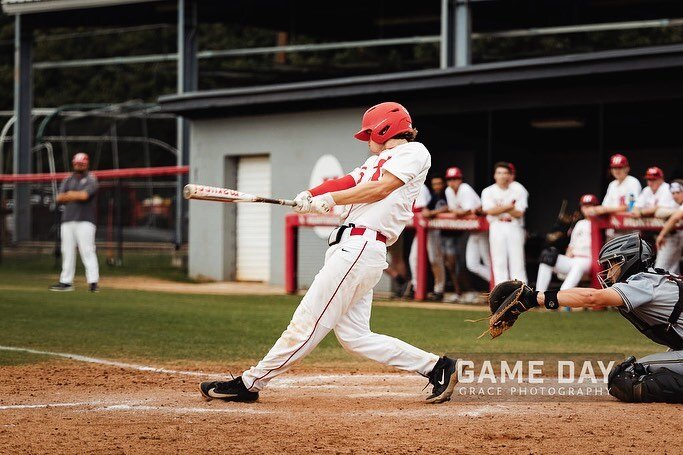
x=662, y=333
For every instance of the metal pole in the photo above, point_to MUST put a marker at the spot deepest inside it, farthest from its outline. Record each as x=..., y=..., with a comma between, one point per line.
x=23, y=101
x=463, y=33
x=187, y=81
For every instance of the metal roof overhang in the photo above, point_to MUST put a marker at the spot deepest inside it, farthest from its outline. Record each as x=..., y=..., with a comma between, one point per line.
x=643, y=73
x=44, y=6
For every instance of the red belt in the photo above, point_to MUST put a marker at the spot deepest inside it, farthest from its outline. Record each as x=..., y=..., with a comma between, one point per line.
x=361, y=230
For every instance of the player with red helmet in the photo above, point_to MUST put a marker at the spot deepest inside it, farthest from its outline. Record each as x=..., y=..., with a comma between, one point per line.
x=379, y=197
x=577, y=259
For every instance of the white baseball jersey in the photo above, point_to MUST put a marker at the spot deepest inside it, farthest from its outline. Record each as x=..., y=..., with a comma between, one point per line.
x=618, y=193
x=409, y=162
x=580, y=241
x=494, y=196
x=423, y=198
x=661, y=198
x=465, y=199
x=515, y=185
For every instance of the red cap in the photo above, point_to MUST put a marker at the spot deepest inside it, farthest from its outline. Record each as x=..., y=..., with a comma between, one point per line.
x=513, y=169
x=617, y=161
x=589, y=199
x=80, y=158
x=384, y=121
x=453, y=173
x=654, y=173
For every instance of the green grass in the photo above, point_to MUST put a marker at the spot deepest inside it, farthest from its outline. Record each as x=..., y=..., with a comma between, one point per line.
x=175, y=329
x=32, y=267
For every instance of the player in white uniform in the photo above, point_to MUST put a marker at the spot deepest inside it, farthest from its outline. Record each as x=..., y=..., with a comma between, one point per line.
x=654, y=196
x=669, y=241
x=464, y=201
x=621, y=190
x=505, y=207
x=516, y=186
x=577, y=260
x=379, y=197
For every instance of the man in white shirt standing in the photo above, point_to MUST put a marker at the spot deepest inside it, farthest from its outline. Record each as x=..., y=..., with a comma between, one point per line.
x=670, y=241
x=578, y=258
x=379, y=196
x=654, y=196
x=464, y=201
x=505, y=209
x=623, y=189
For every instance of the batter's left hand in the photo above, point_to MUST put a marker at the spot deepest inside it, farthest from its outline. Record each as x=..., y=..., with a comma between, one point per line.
x=322, y=204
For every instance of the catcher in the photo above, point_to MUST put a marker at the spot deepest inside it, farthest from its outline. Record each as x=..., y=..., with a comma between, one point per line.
x=651, y=299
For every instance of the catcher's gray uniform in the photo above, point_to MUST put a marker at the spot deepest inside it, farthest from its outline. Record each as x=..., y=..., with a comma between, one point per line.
x=650, y=299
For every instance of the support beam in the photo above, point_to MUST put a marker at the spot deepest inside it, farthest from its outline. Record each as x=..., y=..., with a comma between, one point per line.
x=463, y=33
x=187, y=82
x=456, y=33
x=23, y=102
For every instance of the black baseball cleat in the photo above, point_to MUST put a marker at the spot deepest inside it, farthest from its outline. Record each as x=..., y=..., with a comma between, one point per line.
x=94, y=287
x=61, y=287
x=227, y=391
x=443, y=377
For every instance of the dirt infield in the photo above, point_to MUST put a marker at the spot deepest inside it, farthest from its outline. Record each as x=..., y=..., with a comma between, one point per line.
x=63, y=406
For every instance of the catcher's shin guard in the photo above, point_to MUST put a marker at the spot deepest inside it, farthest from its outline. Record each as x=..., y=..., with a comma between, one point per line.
x=629, y=382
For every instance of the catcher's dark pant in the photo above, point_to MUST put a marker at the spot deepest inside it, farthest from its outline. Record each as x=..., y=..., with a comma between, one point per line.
x=656, y=378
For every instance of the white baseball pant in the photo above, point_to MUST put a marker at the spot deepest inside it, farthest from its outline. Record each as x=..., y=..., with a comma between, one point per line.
x=478, y=255
x=340, y=299
x=669, y=255
x=81, y=234
x=507, y=251
x=574, y=268
x=435, y=258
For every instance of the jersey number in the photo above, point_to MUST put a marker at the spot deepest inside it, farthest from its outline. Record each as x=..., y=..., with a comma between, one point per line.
x=378, y=171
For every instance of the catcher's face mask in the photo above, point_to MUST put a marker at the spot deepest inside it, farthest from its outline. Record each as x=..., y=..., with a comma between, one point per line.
x=612, y=271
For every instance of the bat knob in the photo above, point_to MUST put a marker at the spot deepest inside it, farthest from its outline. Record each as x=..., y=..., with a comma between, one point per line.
x=188, y=191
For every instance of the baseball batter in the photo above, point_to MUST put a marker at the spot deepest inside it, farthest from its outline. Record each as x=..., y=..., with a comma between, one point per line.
x=578, y=258
x=77, y=193
x=379, y=196
x=505, y=207
x=464, y=201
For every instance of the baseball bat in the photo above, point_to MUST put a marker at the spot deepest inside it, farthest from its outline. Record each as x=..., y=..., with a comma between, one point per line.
x=214, y=193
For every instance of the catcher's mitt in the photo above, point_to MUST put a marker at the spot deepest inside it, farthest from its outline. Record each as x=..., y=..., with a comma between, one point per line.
x=507, y=301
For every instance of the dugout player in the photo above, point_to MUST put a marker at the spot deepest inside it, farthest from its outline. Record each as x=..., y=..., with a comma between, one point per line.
x=379, y=197
x=505, y=207
x=669, y=240
x=652, y=300
x=464, y=201
x=654, y=196
x=621, y=190
x=423, y=198
x=77, y=193
x=577, y=259
x=435, y=250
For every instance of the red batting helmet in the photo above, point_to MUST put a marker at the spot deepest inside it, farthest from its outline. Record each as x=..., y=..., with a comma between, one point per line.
x=617, y=161
x=384, y=121
x=589, y=199
x=654, y=173
x=80, y=158
x=453, y=173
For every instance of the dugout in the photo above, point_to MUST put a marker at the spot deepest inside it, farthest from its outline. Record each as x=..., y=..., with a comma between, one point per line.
x=557, y=118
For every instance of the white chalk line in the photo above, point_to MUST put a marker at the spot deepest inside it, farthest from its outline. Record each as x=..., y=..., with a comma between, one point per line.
x=242, y=409
x=299, y=381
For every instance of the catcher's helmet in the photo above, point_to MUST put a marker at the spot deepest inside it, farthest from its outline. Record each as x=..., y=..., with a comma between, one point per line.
x=384, y=121
x=631, y=253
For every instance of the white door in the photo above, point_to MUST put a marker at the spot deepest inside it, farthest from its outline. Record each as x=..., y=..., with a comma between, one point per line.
x=253, y=220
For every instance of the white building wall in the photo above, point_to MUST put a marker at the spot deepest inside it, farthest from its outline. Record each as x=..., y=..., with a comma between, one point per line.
x=294, y=142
